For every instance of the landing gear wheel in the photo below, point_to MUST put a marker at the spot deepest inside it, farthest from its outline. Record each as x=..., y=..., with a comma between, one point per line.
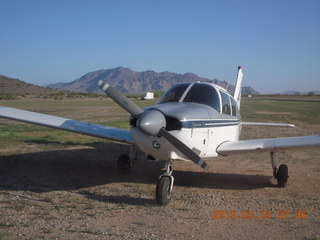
x=163, y=192
x=123, y=165
x=282, y=175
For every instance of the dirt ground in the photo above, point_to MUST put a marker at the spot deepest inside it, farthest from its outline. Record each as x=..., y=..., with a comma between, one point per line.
x=75, y=193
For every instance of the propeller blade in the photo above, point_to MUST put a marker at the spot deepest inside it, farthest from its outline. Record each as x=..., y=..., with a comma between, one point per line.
x=183, y=149
x=121, y=99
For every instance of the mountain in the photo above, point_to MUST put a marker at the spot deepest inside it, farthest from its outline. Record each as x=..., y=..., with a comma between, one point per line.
x=12, y=85
x=131, y=82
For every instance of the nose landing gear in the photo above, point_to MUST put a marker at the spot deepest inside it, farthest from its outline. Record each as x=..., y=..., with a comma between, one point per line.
x=164, y=186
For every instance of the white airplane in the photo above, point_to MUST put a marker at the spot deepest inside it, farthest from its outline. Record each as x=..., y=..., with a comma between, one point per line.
x=191, y=122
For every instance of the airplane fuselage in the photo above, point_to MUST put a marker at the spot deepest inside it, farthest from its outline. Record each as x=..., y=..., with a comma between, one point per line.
x=202, y=126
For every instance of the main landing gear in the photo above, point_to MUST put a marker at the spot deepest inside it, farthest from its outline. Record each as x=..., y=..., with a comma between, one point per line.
x=125, y=162
x=281, y=173
x=164, y=186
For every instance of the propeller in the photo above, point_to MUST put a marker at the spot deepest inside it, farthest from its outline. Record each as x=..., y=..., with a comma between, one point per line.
x=151, y=122
x=121, y=99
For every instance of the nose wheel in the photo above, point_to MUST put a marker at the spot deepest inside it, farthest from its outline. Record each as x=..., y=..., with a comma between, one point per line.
x=164, y=186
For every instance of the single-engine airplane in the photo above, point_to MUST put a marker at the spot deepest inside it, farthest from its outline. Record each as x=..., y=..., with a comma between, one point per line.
x=191, y=122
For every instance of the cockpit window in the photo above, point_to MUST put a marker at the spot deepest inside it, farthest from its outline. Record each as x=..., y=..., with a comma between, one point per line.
x=233, y=106
x=174, y=93
x=203, y=94
x=226, y=109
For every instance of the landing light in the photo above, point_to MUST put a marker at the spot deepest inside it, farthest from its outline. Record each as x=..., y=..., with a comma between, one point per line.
x=156, y=145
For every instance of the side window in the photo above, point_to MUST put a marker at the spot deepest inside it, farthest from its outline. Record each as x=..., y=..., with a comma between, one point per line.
x=233, y=106
x=225, y=103
x=203, y=94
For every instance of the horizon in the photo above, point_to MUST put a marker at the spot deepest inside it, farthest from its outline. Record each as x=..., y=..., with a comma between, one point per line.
x=286, y=92
x=276, y=42
x=233, y=83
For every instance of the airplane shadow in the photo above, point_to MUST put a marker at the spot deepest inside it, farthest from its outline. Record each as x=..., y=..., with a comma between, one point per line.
x=74, y=169
x=124, y=199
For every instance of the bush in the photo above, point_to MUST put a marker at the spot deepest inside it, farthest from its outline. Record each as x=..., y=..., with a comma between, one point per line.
x=9, y=96
x=158, y=94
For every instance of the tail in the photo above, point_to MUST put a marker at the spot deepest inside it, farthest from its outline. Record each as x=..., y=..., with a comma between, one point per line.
x=237, y=91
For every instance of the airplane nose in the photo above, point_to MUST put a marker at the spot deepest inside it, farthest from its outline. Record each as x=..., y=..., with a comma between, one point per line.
x=150, y=122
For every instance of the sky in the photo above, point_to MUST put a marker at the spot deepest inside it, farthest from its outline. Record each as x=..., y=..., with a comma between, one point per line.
x=277, y=42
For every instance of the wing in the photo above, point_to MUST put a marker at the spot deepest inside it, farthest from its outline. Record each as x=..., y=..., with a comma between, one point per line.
x=267, y=124
x=90, y=129
x=269, y=144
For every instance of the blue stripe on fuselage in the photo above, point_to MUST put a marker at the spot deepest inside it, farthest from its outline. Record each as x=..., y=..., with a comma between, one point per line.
x=210, y=123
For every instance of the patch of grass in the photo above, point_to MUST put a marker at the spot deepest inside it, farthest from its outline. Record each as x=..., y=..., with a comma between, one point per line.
x=74, y=206
x=280, y=111
x=117, y=124
x=140, y=224
x=6, y=225
x=110, y=232
x=91, y=215
x=89, y=206
x=4, y=236
x=9, y=96
x=48, y=199
x=89, y=231
x=183, y=209
x=313, y=237
x=20, y=205
x=48, y=230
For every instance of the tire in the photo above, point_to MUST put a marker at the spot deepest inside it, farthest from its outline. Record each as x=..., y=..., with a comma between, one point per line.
x=163, y=193
x=123, y=165
x=282, y=176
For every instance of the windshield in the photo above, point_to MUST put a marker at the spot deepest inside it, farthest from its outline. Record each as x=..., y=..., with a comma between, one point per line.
x=203, y=94
x=174, y=93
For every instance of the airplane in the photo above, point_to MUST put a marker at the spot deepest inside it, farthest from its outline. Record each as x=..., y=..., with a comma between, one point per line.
x=191, y=122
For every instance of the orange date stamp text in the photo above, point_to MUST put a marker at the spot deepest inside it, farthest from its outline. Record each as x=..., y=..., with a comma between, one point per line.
x=281, y=214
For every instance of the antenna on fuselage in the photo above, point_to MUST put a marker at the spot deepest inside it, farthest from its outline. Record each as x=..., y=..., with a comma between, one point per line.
x=227, y=86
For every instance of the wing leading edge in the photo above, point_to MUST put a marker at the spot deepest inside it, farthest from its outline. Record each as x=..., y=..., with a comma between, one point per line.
x=90, y=129
x=269, y=144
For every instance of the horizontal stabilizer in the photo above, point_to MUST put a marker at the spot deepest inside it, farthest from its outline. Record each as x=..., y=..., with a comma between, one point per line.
x=269, y=144
x=90, y=129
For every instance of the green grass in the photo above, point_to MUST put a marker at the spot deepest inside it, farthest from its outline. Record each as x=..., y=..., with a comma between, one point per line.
x=4, y=236
x=280, y=111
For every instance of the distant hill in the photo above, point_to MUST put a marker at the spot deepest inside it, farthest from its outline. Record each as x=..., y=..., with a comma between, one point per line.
x=292, y=92
x=16, y=86
x=11, y=88
x=131, y=82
